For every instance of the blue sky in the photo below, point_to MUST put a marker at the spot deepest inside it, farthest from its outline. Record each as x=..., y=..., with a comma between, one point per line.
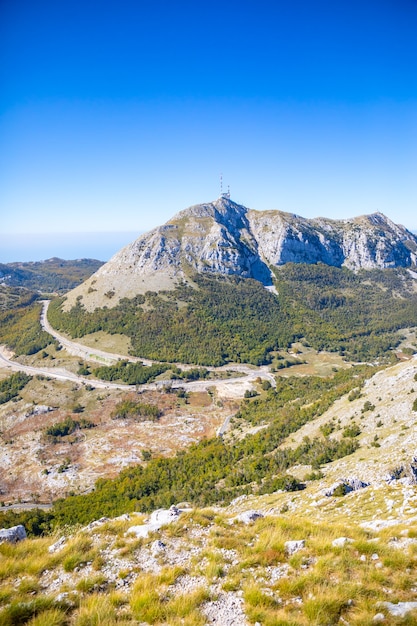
x=116, y=115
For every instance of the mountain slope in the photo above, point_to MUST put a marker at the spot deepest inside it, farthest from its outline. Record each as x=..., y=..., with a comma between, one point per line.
x=223, y=237
x=50, y=275
x=193, y=290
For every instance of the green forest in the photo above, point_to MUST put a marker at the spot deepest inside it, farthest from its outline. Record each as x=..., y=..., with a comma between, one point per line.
x=237, y=320
x=20, y=329
x=53, y=275
x=10, y=387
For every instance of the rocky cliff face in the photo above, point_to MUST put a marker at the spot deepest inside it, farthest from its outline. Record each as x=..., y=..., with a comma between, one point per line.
x=223, y=237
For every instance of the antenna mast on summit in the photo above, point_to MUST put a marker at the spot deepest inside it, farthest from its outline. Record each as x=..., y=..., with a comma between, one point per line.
x=225, y=194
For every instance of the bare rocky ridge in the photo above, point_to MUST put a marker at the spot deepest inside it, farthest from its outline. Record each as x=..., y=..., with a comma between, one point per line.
x=223, y=237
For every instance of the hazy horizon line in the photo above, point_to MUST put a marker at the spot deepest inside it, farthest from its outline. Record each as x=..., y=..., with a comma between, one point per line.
x=34, y=247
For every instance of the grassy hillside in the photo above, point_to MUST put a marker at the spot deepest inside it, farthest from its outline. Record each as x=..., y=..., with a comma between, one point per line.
x=213, y=568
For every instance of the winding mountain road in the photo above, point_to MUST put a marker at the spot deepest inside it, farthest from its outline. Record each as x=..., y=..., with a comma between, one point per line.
x=78, y=349
x=92, y=354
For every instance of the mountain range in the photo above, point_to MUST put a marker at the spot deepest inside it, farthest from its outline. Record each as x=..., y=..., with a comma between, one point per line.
x=226, y=238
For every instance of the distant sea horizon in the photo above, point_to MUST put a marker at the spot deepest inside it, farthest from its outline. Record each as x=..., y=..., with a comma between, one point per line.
x=68, y=246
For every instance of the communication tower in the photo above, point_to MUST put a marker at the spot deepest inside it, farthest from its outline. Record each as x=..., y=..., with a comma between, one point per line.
x=225, y=194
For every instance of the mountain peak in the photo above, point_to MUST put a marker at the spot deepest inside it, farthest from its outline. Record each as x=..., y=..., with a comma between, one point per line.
x=222, y=209
x=226, y=238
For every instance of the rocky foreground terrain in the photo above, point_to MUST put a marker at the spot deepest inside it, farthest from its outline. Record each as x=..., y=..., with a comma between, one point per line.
x=283, y=562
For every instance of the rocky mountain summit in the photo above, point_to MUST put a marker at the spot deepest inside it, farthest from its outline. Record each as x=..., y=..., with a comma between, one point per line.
x=223, y=237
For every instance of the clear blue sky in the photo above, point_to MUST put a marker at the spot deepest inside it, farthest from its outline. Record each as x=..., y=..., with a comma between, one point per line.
x=116, y=115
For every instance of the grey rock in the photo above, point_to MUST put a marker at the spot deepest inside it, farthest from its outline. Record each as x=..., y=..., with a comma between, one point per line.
x=379, y=617
x=331, y=490
x=57, y=546
x=13, y=534
x=158, y=518
x=96, y=523
x=226, y=610
x=40, y=409
x=400, y=609
x=349, y=485
x=405, y=474
x=291, y=547
x=161, y=517
x=340, y=542
x=356, y=483
x=157, y=547
x=141, y=531
x=247, y=517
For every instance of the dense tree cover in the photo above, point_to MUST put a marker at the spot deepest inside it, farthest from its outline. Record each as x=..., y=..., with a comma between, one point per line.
x=139, y=374
x=302, y=398
x=10, y=387
x=195, y=373
x=233, y=319
x=130, y=373
x=215, y=471
x=36, y=521
x=209, y=472
x=356, y=314
x=16, y=297
x=49, y=276
x=223, y=320
x=21, y=330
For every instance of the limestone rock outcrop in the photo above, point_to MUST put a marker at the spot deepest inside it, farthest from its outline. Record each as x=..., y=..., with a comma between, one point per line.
x=13, y=534
x=223, y=237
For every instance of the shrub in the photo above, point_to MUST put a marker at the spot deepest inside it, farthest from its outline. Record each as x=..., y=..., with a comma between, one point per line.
x=10, y=387
x=352, y=430
x=136, y=410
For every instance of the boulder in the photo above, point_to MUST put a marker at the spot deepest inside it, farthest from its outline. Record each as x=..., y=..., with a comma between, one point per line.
x=158, y=518
x=161, y=517
x=356, y=483
x=344, y=486
x=13, y=534
x=291, y=547
x=400, y=609
x=248, y=517
x=339, y=487
x=96, y=523
x=340, y=542
x=41, y=409
x=141, y=531
x=157, y=547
